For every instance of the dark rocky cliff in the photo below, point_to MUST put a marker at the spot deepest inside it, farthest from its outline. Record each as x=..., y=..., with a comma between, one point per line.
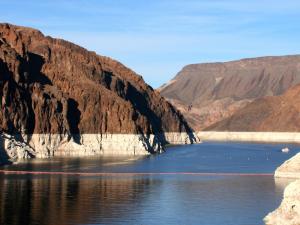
x=51, y=86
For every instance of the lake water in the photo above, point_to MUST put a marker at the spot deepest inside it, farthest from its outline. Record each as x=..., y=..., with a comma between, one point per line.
x=151, y=198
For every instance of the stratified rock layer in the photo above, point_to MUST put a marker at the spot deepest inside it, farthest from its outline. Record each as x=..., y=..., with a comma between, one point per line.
x=54, y=92
x=211, y=92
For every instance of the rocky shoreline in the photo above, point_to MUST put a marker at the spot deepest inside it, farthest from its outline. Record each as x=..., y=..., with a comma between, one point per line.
x=288, y=213
x=276, y=137
x=49, y=145
x=290, y=168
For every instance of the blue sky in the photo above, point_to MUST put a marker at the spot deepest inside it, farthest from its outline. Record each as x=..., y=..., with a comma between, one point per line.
x=157, y=38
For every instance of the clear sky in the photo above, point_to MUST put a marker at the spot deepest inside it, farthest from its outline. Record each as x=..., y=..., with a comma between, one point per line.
x=156, y=38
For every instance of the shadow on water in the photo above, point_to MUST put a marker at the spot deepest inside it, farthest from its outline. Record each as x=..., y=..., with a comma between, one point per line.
x=73, y=117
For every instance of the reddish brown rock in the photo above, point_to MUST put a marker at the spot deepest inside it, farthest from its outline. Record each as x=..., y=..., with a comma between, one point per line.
x=51, y=86
x=272, y=113
x=210, y=92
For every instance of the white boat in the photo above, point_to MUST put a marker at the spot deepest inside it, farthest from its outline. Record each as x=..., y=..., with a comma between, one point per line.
x=285, y=150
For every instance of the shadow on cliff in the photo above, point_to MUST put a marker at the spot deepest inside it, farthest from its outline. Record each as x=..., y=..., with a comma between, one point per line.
x=35, y=64
x=141, y=104
x=73, y=117
x=30, y=72
x=19, y=96
x=138, y=100
x=14, y=94
x=189, y=130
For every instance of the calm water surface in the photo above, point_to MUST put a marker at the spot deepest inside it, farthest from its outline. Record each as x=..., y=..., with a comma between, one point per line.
x=149, y=199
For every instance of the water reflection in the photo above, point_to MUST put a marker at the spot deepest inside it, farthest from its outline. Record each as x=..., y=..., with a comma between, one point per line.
x=75, y=164
x=52, y=200
x=47, y=200
x=153, y=199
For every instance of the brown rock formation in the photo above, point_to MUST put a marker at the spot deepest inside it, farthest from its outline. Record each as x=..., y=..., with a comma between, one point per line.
x=210, y=92
x=272, y=113
x=51, y=86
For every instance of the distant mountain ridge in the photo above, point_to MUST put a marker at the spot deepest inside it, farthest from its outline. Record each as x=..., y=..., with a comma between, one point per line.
x=207, y=93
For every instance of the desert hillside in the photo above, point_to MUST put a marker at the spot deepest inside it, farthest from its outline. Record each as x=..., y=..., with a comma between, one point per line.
x=210, y=92
x=272, y=113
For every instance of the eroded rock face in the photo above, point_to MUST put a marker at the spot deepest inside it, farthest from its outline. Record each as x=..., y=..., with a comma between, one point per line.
x=211, y=92
x=60, y=91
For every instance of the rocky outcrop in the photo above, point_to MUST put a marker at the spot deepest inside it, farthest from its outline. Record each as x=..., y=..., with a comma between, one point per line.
x=290, y=168
x=273, y=113
x=56, y=96
x=288, y=212
x=211, y=92
x=14, y=150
